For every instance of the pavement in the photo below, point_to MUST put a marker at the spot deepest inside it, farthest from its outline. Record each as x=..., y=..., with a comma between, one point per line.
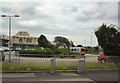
x=110, y=76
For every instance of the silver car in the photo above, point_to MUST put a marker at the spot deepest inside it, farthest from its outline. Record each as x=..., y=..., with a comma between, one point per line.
x=2, y=56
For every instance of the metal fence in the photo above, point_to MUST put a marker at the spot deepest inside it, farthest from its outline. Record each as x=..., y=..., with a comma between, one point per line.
x=35, y=63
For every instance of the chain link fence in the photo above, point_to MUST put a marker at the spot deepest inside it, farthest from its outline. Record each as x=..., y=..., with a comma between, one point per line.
x=51, y=63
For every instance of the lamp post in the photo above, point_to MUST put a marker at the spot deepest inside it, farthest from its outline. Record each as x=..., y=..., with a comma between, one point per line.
x=9, y=44
x=91, y=38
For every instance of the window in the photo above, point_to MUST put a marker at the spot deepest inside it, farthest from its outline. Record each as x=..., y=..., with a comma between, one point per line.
x=29, y=40
x=82, y=49
x=75, y=50
x=20, y=40
x=72, y=49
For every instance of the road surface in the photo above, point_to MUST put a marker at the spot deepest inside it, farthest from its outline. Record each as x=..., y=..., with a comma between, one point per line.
x=89, y=76
x=38, y=61
x=88, y=58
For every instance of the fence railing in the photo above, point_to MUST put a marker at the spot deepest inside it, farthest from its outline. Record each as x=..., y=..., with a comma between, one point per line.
x=30, y=63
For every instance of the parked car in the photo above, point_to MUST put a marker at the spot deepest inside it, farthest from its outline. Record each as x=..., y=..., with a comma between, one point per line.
x=103, y=58
x=2, y=57
x=18, y=48
x=6, y=48
x=2, y=49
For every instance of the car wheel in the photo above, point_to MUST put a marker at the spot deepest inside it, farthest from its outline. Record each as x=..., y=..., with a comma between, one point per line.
x=3, y=59
x=103, y=61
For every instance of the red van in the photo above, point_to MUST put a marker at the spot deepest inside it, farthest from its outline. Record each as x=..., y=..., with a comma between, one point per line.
x=103, y=59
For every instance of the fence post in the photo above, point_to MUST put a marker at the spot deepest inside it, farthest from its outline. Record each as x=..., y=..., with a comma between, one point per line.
x=53, y=66
x=2, y=53
x=81, y=66
x=18, y=55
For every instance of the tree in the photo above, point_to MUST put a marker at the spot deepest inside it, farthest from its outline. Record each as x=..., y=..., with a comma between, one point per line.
x=72, y=44
x=43, y=42
x=109, y=39
x=79, y=46
x=62, y=41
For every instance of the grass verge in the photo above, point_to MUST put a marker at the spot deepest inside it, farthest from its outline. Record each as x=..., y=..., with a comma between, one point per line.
x=88, y=66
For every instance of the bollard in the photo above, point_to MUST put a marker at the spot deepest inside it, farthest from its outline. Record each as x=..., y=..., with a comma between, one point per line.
x=53, y=65
x=81, y=66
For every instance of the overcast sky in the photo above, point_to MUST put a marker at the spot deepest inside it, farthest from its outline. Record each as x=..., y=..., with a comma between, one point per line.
x=72, y=19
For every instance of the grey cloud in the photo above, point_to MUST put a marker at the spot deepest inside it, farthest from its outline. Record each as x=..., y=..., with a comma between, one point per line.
x=70, y=10
x=101, y=4
x=26, y=10
x=102, y=12
x=29, y=10
x=74, y=9
x=81, y=19
x=4, y=9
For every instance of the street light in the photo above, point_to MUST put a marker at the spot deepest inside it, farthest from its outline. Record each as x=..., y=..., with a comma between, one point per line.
x=9, y=44
x=91, y=38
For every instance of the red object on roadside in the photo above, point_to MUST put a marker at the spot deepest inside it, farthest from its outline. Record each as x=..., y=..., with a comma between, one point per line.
x=103, y=58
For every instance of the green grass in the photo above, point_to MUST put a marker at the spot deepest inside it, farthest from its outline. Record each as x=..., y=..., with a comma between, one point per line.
x=25, y=68
x=91, y=52
x=10, y=66
x=90, y=66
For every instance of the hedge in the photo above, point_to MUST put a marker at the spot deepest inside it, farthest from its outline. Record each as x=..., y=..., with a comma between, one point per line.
x=59, y=51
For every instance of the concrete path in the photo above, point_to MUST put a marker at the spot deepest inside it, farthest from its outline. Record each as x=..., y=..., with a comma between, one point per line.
x=18, y=75
x=91, y=76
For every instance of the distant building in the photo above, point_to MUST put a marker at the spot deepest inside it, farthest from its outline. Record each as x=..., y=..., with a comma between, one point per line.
x=21, y=39
x=4, y=40
x=0, y=41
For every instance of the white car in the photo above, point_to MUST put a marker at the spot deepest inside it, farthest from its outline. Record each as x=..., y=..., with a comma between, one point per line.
x=2, y=49
x=6, y=48
x=18, y=48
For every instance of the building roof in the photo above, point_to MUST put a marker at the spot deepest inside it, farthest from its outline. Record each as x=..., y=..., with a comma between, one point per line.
x=22, y=33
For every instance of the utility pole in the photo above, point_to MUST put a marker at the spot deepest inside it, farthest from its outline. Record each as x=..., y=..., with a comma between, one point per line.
x=9, y=44
x=91, y=38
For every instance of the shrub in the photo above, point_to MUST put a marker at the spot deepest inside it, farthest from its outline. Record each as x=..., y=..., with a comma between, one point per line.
x=62, y=56
x=73, y=56
x=58, y=51
x=37, y=51
x=63, y=51
x=74, y=53
x=48, y=51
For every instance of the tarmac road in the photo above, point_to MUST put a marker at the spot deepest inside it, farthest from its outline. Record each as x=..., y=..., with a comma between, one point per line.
x=110, y=76
x=88, y=58
x=47, y=61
